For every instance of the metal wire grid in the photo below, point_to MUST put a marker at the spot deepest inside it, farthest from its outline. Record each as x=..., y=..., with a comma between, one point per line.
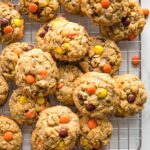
x=126, y=132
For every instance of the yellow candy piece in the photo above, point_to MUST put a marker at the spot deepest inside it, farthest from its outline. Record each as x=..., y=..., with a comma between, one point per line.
x=84, y=142
x=18, y=22
x=43, y=3
x=60, y=51
x=40, y=100
x=98, y=49
x=23, y=100
x=102, y=93
x=66, y=45
x=61, y=144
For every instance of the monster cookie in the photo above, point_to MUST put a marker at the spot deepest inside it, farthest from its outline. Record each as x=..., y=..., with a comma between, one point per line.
x=95, y=94
x=57, y=129
x=103, y=56
x=37, y=73
x=65, y=86
x=10, y=56
x=67, y=41
x=95, y=134
x=28, y=108
x=10, y=134
x=130, y=26
x=39, y=10
x=11, y=24
x=133, y=95
x=106, y=12
x=3, y=90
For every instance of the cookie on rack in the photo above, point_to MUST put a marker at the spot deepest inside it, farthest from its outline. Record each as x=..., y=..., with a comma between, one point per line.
x=130, y=26
x=103, y=56
x=9, y=57
x=37, y=73
x=57, y=128
x=65, y=40
x=133, y=95
x=11, y=24
x=68, y=74
x=28, y=109
x=10, y=134
x=105, y=12
x=39, y=10
x=96, y=94
x=4, y=90
x=95, y=133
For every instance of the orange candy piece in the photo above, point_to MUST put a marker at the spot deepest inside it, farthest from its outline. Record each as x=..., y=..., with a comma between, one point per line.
x=7, y=30
x=135, y=60
x=91, y=90
x=105, y=3
x=145, y=11
x=30, y=114
x=43, y=73
x=64, y=119
x=8, y=136
x=17, y=51
x=30, y=79
x=92, y=124
x=107, y=68
x=132, y=36
x=32, y=7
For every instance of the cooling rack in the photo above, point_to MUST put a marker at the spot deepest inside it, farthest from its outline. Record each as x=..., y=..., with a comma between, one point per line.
x=127, y=132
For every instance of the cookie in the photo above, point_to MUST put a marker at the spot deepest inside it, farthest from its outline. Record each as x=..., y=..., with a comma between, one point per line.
x=133, y=95
x=95, y=133
x=67, y=41
x=65, y=87
x=10, y=134
x=39, y=10
x=12, y=24
x=103, y=56
x=96, y=94
x=37, y=73
x=129, y=27
x=57, y=128
x=10, y=56
x=104, y=12
x=24, y=109
x=4, y=90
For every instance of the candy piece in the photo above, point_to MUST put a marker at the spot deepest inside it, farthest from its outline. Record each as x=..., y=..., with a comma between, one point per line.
x=23, y=100
x=102, y=93
x=18, y=22
x=132, y=36
x=135, y=60
x=42, y=3
x=105, y=3
x=63, y=132
x=107, y=68
x=145, y=12
x=60, y=51
x=91, y=90
x=131, y=98
x=80, y=97
x=89, y=107
x=66, y=45
x=30, y=114
x=32, y=7
x=64, y=119
x=126, y=21
x=8, y=136
x=18, y=51
x=70, y=35
x=60, y=85
x=43, y=73
x=7, y=30
x=39, y=143
x=42, y=34
x=4, y=21
x=62, y=144
x=40, y=100
x=98, y=49
x=85, y=142
x=30, y=79
x=92, y=124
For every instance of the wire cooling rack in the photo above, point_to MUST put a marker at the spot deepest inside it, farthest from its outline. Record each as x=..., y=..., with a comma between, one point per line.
x=127, y=131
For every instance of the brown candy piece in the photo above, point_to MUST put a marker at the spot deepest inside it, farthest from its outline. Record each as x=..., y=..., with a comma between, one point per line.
x=131, y=98
x=89, y=107
x=63, y=132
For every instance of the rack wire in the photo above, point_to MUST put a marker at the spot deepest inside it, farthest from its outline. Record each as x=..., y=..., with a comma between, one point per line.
x=127, y=132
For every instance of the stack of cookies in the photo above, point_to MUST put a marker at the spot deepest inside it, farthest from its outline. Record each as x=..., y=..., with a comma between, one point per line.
x=70, y=65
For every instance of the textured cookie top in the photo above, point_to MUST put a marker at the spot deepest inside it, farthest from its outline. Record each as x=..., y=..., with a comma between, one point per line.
x=10, y=56
x=12, y=24
x=103, y=56
x=67, y=41
x=57, y=127
x=39, y=10
x=133, y=95
x=130, y=26
x=10, y=134
x=96, y=94
x=37, y=72
x=28, y=108
x=106, y=12
x=95, y=133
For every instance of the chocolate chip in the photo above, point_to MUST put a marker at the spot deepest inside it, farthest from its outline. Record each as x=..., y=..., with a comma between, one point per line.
x=80, y=97
x=46, y=28
x=63, y=132
x=42, y=34
x=30, y=47
x=131, y=98
x=89, y=107
x=4, y=21
x=126, y=21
